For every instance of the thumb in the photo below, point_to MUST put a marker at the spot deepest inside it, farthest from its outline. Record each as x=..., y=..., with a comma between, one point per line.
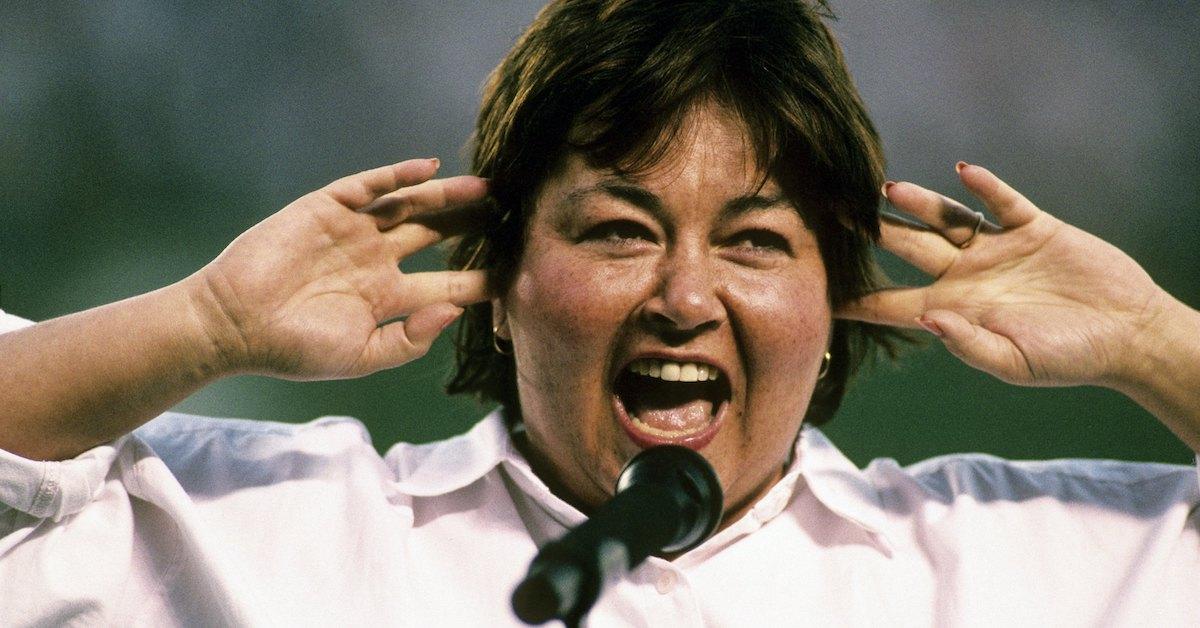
x=400, y=342
x=977, y=346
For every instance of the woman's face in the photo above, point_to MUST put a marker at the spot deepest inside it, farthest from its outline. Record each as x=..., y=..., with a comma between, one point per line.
x=628, y=285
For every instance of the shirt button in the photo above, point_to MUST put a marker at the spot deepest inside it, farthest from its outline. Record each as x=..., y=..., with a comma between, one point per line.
x=666, y=582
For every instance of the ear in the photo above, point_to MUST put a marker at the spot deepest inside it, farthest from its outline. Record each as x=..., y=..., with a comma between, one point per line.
x=500, y=320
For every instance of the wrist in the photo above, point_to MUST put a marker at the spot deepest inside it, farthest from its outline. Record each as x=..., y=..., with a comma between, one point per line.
x=1168, y=337
x=211, y=335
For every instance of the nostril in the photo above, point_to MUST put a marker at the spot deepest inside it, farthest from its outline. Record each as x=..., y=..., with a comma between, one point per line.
x=690, y=315
x=693, y=311
x=673, y=333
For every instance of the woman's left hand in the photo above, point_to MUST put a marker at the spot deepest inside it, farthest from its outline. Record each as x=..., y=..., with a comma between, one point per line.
x=1031, y=300
x=1035, y=301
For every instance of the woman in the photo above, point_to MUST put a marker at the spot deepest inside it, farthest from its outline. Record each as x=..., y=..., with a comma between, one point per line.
x=674, y=190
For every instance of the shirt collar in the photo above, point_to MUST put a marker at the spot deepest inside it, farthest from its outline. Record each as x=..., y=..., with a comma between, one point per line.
x=841, y=486
x=441, y=467
x=444, y=466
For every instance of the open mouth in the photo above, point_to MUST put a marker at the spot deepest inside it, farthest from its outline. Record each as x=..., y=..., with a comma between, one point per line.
x=662, y=402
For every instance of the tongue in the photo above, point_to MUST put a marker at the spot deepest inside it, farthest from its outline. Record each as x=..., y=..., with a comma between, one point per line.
x=669, y=406
x=685, y=418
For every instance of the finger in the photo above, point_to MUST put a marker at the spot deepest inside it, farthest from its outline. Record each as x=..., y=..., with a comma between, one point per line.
x=977, y=346
x=1009, y=206
x=955, y=221
x=418, y=290
x=404, y=341
x=395, y=207
x=927, y=250
x=428, y=229
x=358, y=190
x=897, y=307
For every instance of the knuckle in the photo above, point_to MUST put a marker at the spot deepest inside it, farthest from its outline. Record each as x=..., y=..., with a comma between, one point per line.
x=414, y=349
x=406, y=206
x=455, y=287
x=407, y=350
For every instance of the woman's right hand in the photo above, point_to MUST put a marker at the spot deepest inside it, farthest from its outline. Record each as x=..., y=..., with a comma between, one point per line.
x=309, y=292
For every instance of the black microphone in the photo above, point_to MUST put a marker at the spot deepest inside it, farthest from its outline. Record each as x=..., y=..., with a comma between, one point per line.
x=667, y=499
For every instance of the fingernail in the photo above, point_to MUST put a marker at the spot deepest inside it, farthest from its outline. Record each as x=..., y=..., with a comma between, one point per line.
x=930, y=326
x=887, y=186
x=437, y=163
x=958, y=167
x=450, y=319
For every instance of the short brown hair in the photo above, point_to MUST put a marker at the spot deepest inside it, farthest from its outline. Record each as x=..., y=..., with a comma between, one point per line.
x=613, y=80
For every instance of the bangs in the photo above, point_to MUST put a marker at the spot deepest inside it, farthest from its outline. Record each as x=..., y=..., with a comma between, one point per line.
x=627, y=111
x=614, y=81
x=636, y=140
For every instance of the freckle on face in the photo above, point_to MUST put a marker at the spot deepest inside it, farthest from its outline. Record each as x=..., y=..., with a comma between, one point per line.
x=578, y=316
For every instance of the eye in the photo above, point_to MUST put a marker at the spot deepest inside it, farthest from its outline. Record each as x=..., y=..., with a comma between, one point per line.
x=761, y=241
x=618, y=232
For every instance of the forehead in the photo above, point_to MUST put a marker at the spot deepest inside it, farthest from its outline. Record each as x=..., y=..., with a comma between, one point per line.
x=710, y=154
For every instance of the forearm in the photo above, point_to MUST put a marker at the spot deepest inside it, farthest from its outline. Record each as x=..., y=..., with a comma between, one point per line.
x=1164, y=374
x=74, y=382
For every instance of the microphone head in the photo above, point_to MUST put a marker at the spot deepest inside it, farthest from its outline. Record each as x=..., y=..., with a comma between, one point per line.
x=697, y=486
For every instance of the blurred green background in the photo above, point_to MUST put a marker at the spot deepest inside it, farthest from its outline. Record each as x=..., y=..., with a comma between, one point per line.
x=138, y=138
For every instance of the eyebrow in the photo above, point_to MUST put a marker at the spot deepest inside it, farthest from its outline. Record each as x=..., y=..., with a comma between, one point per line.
x=641, y=197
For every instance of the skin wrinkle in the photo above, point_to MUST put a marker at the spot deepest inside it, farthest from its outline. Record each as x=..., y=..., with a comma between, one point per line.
x=581, y=308
x=629, y=190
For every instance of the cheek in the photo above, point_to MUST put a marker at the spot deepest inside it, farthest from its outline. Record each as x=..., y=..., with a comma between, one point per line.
x=566, y=312
x=786, y=318
x=785, y=324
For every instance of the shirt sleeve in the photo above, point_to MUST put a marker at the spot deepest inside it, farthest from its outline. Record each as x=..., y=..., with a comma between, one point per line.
x=8, y=322
x=54, y=489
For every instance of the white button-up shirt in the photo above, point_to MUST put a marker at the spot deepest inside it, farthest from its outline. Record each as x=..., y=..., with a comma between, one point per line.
x=200, y=521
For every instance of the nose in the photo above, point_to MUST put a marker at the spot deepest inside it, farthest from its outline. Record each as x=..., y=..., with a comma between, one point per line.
x=686, y=299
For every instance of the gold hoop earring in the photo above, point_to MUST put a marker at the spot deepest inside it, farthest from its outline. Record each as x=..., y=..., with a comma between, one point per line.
x=496, y=341
x=824, y=366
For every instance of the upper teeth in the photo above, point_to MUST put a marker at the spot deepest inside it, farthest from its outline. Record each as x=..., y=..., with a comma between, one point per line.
x=674, y=371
